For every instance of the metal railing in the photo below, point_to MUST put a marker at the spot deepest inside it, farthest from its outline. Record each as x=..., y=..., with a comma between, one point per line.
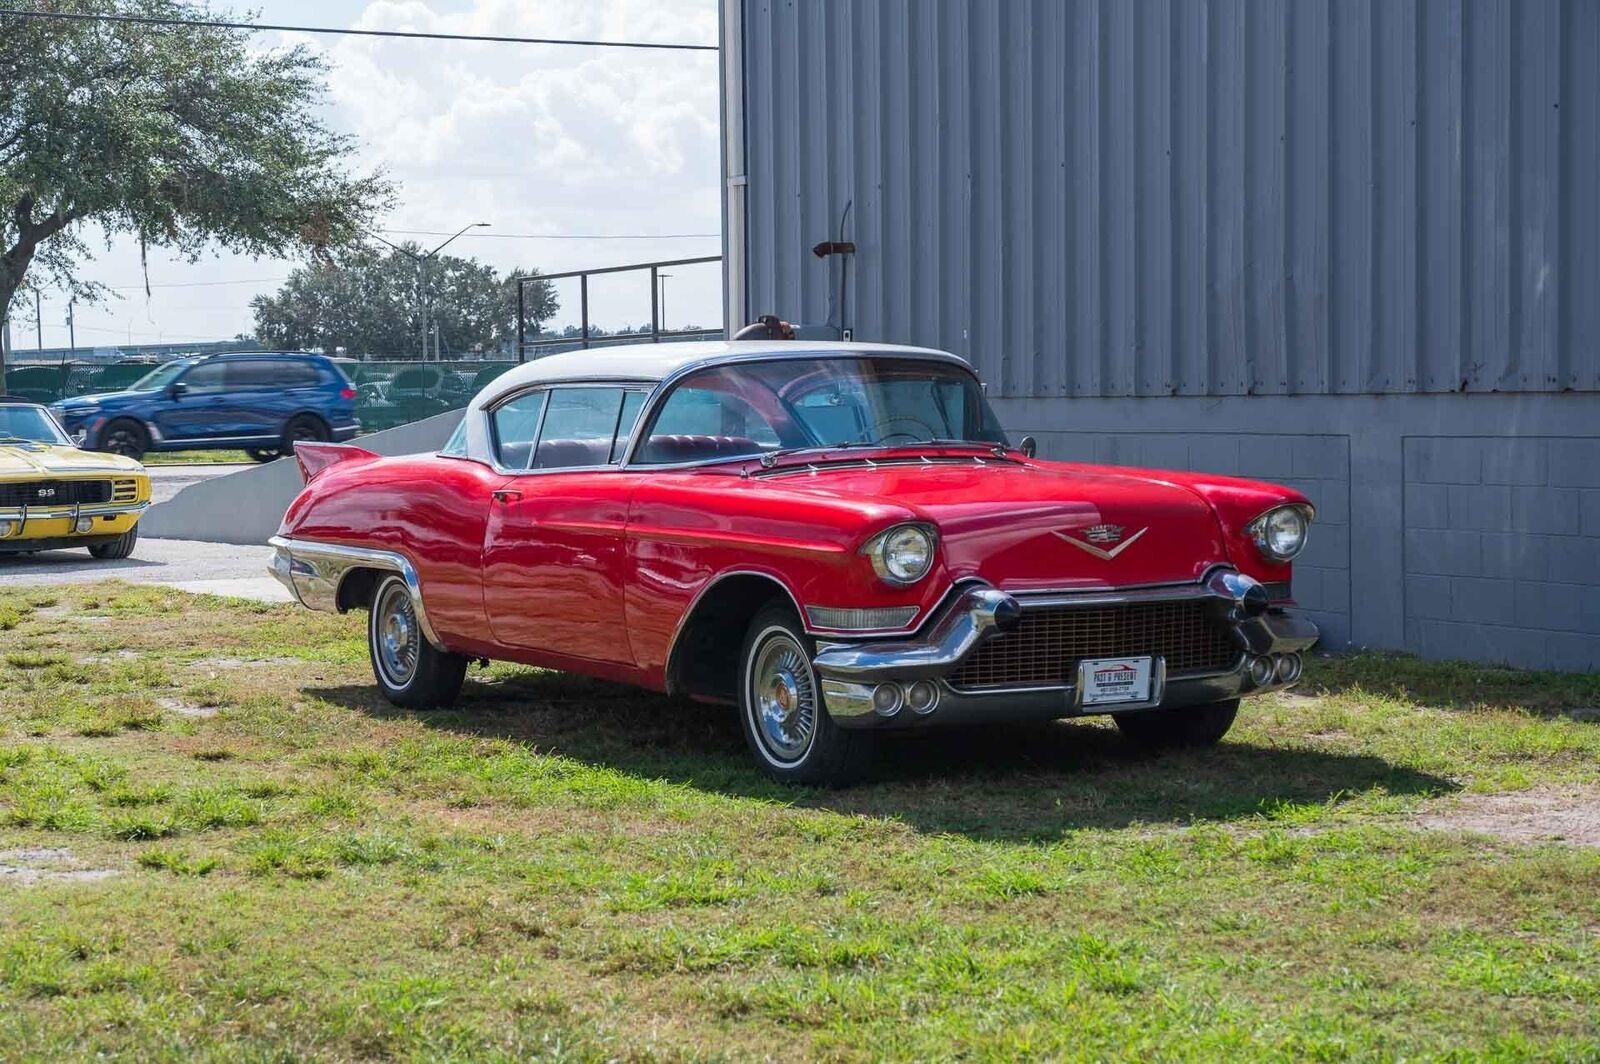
x=538, y=345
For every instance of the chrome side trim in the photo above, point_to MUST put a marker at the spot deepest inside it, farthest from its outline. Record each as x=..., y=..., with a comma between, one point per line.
x=314, y=571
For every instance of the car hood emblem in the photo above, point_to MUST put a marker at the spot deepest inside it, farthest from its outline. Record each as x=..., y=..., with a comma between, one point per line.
x=1096, y=538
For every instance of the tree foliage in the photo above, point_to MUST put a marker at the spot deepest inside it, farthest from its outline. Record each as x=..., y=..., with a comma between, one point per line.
x=368, y=304
x=176, y=137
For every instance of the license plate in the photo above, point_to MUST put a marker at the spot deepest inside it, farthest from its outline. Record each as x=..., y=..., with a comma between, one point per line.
x=1107, y=680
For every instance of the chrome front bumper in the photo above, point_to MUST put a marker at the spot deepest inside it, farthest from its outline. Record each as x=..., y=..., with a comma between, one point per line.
x=849, y=672
x=19, y=516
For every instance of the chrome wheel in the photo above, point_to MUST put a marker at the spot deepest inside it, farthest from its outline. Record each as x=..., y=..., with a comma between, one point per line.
x=396, y=639
x=782, y=697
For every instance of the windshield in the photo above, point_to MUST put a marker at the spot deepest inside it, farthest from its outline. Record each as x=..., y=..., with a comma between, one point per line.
x=160, y=377
x=748, y=408
x=29, y=423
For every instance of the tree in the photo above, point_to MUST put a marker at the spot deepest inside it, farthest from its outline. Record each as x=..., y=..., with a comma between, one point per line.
x=368, y=304
x=177, y=137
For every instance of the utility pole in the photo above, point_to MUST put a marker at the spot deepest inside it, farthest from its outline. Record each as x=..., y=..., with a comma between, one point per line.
x=38, y=323
x=663, y=277
x=72, y=332
x=422, y=261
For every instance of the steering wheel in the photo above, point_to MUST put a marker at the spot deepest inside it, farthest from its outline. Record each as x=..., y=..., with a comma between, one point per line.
x=932, y=433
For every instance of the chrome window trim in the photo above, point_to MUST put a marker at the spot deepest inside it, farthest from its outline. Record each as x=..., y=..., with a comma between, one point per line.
x=492, y=441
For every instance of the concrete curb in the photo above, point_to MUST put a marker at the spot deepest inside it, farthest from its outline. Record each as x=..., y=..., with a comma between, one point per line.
x=247, y=507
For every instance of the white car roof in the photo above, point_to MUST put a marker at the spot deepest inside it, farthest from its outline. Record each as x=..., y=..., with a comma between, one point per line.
x=656, y=362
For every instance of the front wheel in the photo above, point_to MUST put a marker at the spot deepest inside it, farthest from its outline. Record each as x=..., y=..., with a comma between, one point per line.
x=411, y=672
x=117, y=548
x=781, y=711
x=1181, y=727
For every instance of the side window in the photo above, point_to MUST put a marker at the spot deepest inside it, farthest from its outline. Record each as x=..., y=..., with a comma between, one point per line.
x=456, y=445
x=579, y=428
x=631, y=403
x=292, y=373
x=516, y=427
x=256, y=373
x=701, y=423
x=206, y=377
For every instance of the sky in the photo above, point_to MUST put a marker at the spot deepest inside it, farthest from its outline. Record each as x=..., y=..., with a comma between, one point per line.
x=535, y=140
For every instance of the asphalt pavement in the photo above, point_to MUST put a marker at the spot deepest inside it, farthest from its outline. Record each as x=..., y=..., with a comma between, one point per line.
x=189, y=565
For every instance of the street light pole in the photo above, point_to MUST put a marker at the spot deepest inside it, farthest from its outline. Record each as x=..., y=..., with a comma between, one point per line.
x=422, y=281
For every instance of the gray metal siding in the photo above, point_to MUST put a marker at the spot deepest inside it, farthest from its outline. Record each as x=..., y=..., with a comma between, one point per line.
x=1188, y=197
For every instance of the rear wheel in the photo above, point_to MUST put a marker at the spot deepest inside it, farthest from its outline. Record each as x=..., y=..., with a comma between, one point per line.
x=1181, y=727
x=302, y=429
x=781, y=712
x=411, y=672
x=126, y=438
x=120, y=547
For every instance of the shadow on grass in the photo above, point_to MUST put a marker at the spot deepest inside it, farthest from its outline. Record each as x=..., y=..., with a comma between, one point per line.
x=1451, y=684
x=1013, y=782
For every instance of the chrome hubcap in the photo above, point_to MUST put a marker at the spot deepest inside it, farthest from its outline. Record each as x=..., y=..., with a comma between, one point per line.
x=397, y=642
x=784, y=698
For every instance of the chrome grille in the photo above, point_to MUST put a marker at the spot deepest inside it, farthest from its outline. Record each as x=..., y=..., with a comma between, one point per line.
x=1044, y=650
x=54, y=492
x=124, y=490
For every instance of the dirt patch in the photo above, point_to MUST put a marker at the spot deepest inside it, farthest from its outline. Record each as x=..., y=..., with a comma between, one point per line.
x=52, y=611
x=29, y=866
x=1541, y=815
x=186, y=709
x=242, y=663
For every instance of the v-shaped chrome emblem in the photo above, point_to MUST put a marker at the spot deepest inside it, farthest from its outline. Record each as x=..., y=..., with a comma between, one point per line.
x=1103, y=555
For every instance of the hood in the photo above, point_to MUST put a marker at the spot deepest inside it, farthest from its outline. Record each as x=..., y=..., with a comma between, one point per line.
x=1039, y=526
x=78, y=402
x=34, y=460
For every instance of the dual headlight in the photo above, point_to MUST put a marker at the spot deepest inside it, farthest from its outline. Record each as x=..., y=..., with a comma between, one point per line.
x=1280, y=533
x=902, y=554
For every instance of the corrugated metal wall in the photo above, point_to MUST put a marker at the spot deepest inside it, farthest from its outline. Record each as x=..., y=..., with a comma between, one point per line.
x=1189, y=197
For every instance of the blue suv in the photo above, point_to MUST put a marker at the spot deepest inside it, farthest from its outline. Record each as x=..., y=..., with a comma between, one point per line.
x=260, y=402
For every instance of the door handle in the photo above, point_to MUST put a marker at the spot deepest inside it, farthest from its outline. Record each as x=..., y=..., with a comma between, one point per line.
x=507, y=495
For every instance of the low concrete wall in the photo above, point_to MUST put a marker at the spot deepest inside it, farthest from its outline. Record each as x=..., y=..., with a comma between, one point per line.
x=246, y=507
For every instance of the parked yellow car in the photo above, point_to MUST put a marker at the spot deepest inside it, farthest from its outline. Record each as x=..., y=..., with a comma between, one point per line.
x=55, y=496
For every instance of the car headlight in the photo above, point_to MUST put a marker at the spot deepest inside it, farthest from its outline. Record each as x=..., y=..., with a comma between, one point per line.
x=901, y=555
x=1280, y=533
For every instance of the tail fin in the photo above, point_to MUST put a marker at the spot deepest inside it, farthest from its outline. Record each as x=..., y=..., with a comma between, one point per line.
x=314, y=458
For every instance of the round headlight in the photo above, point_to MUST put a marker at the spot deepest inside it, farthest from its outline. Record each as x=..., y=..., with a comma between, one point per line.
x=1281, y=533
x=902, y=555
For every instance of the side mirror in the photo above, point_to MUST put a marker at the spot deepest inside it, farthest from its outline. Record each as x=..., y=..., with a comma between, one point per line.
x=176, y=389
x=1029, y=446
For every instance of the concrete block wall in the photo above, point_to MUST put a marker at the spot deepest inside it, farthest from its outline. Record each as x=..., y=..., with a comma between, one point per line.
x=1455, y=526
x=1502, y=548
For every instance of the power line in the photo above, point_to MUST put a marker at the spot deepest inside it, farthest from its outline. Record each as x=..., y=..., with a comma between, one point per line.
x=74, y=16
x=562, y=236
x=195, y=284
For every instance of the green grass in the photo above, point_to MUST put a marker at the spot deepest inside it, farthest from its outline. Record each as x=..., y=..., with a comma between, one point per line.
x=196, y=458
x=563, y=868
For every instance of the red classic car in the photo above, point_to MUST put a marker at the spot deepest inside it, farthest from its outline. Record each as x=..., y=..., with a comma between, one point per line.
x=839, y=539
